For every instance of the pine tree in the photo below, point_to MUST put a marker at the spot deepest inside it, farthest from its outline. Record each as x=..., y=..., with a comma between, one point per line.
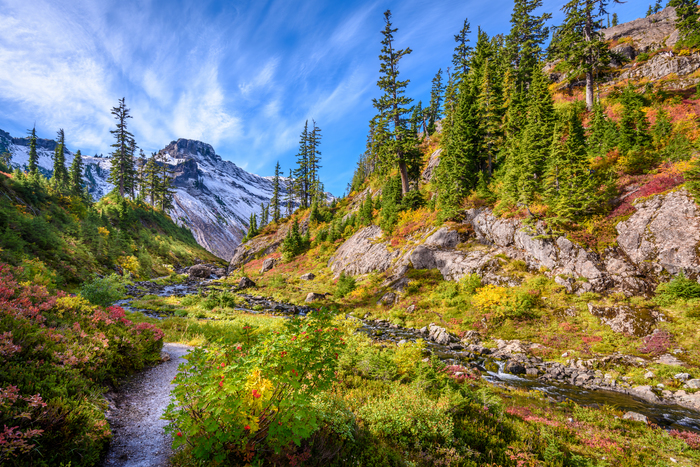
x=692, y=179
x=275, y=201
x=580, y=43
x=460, y=162
x=141, y=173
x=366, y=210
x=132, y=174
x=165, y=190
x=633, y=125
x=122, y=160
x=393, y=105
x=263, y=215
x=301, y=173
x=615, y=20
x=314, y=163
x=60, y=175
x=602, y=134
x=76, y=175
x=435, y=101
x=462, y=53
x=527, y=36
x=290, y=193
x=151, y=179
x=488, y=102
x=417, y=119
x=686, y=18
x=33, y=156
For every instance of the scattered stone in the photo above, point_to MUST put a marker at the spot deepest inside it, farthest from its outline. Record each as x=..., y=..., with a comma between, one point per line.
x=439, y=335
x=649, y=375
x=402, y=342
x=164, y=356
x=268, y=264
x=411, y=309
x=635, y=417
x=638, y=321
x=692, y=384
x=682, y=376
x=245, y=283
x=667, y=359
x=309, y=276
x=219, y=272
x=313, y=296
x=200, y=271
x=387, y=299
x=515, y=368
x=472, y=337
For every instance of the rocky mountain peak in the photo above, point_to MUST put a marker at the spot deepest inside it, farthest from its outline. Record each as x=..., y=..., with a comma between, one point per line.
x=191, y=149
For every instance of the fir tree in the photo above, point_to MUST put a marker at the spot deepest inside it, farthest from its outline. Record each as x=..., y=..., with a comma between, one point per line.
x=435, y=101
x=417, y=119
x=459, y=166
x=692, y=179
x=463, y=51
x=314, y=163
x=275, y=201
x=141, y=173
x=122, y=160
x=165, y=191
x=527, y=35
x=686, y=18
x=579, y=42
x=633, y=125
x=263, y=215
x=393, y=105
x=151, y=180
x=60, y=175
x=615, y=20
x=290, y=193
x=33, y=156
x=301, y=173
x=366, y=210
x=488, y=102
x=76, y=175
x=602, y=134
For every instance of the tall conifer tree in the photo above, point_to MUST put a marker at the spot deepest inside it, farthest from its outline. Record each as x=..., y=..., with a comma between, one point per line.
x=393, y=105
x=463, y=51
x=275, y=201
x=526, y=39
x=76, y=175
x=122, y=161
x=33, y=156
x=60, y=173
x=436, y=93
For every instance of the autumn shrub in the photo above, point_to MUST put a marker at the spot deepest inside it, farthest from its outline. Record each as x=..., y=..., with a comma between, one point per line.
x=503, y=303
x=345, y=285
x=255, y=399
x=57, y=353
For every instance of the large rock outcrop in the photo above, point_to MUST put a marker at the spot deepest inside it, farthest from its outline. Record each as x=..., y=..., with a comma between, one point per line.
x=362, y=253
x=649, y=33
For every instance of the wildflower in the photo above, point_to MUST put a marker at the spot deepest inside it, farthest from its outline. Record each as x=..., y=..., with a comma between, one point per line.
x=179, y=433
x=246, y=428
x=238, y=348
x=222, y=364
x=221, y=384
x=256, y=394
x=284, y=353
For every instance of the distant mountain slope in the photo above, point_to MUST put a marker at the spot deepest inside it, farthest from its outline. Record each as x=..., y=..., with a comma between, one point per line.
x=214, y=197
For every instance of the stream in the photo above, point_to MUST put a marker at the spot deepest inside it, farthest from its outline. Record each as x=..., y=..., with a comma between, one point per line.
x=666, y=415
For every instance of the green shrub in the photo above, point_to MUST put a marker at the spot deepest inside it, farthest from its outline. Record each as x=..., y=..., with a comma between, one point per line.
x=224, y=299
x=345, y=285
x=258, y=397
x=103, y=291
x=680, y=287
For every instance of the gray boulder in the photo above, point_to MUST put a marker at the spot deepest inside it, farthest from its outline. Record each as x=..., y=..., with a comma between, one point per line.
x=268, y=264
x=387, y=299
x=245, y=283
x=515, y=368
x=200, y=271
x=363, y=253
x=693, y=384
x=637, y=321
x=440, y=335
x=309, y=276
x=314, y=297
x=635, y=417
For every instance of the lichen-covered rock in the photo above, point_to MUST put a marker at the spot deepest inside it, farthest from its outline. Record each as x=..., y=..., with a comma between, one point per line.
x=662, y=65
x=363, y=253
x=245, y=283
x=309, y=276
x=637, y=321
x=646, y=34
x=268, y=264
x=440, y=335
x=387, y=299
x=429, y=170
x=664, y=233
x=314, y=297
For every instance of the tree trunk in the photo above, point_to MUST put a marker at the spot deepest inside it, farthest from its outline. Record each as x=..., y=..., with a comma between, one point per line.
x=589, y=90
x=404, y=177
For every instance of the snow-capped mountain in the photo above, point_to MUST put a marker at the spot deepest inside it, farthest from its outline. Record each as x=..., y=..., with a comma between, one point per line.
x=214, y=198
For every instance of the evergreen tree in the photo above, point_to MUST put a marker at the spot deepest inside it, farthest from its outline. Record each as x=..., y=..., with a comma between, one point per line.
x=488, y=102
x=366, y=210
x=301, y=173
x=417, y=119
x=602, y=134
x=686, y=18
x=580, y=43
x=435, y=101
x=275, y=201
x=393, y=105
x=165, y=191
x=463, y=51
x=633, y=125
x=527, y=36
x=460, y=162
x=33, y=156
x=76, y=175
x=692, y=179
x=151, y=180
x=263, y=215
x=290, y=193
x=122, y=160
x=615, y=20
x=59, y=178
x=141, y=173
x=314, y=163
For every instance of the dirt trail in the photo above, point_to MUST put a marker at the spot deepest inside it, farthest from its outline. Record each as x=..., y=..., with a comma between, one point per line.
x=139, y=439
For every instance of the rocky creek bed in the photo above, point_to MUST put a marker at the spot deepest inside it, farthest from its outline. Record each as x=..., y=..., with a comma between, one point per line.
x=508, y=363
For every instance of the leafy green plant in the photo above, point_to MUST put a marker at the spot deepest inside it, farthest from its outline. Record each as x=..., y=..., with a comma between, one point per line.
x=103, y=291
x=346, y=284
x=237, y=402
x=680, y=287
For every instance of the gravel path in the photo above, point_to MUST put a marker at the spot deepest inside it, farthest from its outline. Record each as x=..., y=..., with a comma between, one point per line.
x=135, y=411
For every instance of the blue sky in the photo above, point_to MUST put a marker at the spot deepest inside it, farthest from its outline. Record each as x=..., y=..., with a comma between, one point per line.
x=240, y=75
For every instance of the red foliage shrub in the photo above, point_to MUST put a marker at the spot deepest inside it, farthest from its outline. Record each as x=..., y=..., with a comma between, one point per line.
x=658, y=184
x=690, y=438
x=657, y=343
